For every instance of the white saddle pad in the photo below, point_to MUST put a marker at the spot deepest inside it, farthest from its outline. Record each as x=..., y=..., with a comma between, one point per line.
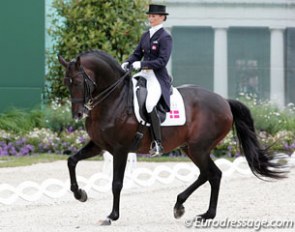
x=176, y=116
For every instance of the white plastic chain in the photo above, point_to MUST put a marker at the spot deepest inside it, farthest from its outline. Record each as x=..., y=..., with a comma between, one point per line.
x=135, y=177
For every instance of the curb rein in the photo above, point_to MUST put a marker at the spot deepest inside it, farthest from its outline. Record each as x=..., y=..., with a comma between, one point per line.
x=90, y=102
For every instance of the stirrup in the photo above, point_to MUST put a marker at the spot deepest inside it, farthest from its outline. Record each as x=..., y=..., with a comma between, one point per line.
x=156, y=149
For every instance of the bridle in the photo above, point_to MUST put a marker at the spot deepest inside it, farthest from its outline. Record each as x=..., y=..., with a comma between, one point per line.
x=89, y=86
x=88, y=100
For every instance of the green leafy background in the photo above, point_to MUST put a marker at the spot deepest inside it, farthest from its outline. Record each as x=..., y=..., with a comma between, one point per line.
x=114, y=26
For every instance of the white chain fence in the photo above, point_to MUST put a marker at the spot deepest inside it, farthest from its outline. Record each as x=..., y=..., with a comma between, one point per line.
x=134, y=177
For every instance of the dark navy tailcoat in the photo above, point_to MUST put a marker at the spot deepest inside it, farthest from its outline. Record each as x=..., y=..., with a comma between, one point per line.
x=156, y=52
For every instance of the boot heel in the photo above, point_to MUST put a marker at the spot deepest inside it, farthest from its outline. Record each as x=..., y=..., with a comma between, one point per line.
x=156, y=149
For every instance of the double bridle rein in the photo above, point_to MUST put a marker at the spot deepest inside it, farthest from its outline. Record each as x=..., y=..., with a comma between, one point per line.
x=89, y=85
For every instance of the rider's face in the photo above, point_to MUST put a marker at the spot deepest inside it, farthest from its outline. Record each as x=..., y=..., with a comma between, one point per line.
x=155, y=19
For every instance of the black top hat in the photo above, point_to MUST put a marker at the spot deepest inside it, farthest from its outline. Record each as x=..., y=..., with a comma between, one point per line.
x=157, y=9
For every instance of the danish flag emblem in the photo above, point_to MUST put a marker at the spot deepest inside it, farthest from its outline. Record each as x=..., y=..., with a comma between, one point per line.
x=174, y=114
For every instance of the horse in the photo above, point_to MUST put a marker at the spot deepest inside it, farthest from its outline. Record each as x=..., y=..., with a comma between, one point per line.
x=100, y=88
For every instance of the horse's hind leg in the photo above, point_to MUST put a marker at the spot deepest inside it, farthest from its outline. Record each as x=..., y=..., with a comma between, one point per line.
x=88, y=151
x=208, y=171
x=201, y=161
x=182, y=197
x=214, y=177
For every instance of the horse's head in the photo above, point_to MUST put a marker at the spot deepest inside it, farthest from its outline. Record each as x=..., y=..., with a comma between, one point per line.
x=80, y=86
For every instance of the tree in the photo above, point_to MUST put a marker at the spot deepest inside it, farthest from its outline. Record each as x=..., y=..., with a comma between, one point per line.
x=114, y=26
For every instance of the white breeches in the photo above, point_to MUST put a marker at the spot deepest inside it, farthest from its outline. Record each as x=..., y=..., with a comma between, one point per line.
x=153, y=88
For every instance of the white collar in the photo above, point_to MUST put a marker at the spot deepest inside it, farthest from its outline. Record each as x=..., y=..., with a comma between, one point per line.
x=154, y=29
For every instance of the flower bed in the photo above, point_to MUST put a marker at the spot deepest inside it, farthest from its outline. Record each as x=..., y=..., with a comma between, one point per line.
x=281, y=142
x=52, y=130
x=42, y=141
x=70, y=141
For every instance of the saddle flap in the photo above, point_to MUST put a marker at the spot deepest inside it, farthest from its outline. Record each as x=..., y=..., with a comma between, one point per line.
x=141, y=95
x=176, y=116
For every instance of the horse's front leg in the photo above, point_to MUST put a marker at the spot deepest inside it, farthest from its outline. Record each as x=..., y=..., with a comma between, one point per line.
x=88, y=151
x=119, y=165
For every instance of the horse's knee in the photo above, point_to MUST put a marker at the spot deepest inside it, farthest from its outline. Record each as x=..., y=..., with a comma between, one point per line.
x=117, y=186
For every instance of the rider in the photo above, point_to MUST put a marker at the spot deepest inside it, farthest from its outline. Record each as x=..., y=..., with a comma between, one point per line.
x=155, y=48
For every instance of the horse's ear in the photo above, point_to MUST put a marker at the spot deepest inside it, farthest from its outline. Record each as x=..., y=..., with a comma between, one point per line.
x=62, y=61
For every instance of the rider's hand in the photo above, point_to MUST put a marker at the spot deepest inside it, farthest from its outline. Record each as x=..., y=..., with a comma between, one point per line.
x=124, y=66
x=136, y=65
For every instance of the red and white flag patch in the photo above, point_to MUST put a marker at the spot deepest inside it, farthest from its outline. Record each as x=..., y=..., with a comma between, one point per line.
x=174, y=114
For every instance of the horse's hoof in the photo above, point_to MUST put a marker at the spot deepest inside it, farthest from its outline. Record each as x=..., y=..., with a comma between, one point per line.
x=106, y=222
x=83, y=196
x=178, y=212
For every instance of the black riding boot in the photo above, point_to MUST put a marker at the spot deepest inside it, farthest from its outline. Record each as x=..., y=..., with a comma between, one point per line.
x=155, y=128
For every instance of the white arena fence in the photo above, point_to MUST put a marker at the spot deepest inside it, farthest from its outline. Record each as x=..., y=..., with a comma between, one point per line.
x=135, y=177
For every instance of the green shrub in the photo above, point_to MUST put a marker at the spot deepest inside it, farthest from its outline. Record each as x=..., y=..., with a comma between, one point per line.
x=110, y=25
x=19, y=121
x=55, y=116
x=267, y=117
x=58, y=117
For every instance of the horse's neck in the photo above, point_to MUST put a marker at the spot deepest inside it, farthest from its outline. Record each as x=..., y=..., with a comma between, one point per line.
x=115, y=104
x=104, y=82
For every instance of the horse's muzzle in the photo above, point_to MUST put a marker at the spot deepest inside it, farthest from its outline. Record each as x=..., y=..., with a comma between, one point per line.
x=78, y=115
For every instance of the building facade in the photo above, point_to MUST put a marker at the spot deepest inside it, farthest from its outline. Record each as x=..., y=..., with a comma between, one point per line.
x=235, y=46
x=22, y=53
x=227, y=46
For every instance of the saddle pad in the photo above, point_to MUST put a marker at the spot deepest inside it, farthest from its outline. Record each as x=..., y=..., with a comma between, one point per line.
x=176, y=116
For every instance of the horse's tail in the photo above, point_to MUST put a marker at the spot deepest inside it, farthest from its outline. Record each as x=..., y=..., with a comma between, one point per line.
x=259, y=160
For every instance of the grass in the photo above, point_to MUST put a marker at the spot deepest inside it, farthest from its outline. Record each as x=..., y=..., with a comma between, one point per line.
x=163, y=159
x=12, y=161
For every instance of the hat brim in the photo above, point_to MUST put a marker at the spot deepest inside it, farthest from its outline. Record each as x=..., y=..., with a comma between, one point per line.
x=158, y=13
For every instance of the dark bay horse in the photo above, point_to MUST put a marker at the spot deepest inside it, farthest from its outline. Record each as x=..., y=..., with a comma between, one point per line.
x=99, y=86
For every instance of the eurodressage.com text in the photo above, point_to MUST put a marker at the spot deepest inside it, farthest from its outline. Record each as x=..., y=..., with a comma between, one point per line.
x=257, y=225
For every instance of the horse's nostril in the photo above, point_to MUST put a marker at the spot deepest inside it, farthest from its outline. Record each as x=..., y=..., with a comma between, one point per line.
x=78, y=116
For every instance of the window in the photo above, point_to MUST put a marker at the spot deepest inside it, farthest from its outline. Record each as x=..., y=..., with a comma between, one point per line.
x=249, y=62
x=193, y=57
